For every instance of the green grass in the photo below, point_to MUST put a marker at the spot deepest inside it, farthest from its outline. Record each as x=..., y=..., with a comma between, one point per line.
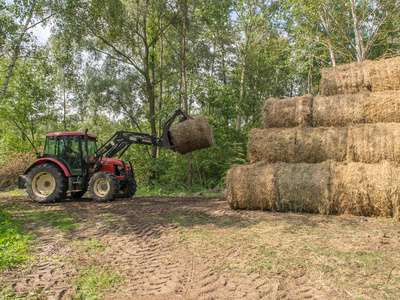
x=93, y=246
x=14, y=242
x=95, y=282
x=59, y=220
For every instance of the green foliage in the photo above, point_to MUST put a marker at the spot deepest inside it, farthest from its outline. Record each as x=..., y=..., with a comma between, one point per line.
x=14, y=242
x=117, y=65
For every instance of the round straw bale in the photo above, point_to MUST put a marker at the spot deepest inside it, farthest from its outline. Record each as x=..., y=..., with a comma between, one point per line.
x=381, y=75
x=318, y=144
x=286, y=113
x=303, y=187
x=251, y=187
x=345, y=79
x=385, y=74
x=366, y=189
x=339, y=110
x=373, y=143
x=271, y=145
x=382, y=107
x=300, y=144
x=191, y=135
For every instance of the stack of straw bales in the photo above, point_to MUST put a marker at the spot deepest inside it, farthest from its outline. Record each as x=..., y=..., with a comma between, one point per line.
x=338, y=152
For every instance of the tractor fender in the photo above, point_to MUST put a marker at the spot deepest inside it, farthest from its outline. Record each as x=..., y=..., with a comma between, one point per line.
x=49, y=160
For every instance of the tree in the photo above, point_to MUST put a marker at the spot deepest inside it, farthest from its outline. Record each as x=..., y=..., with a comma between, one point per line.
x=29, y=14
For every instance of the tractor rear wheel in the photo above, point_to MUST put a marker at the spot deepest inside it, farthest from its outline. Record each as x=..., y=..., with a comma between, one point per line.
x=128, y=188
x=104, y=186
x=46, y=183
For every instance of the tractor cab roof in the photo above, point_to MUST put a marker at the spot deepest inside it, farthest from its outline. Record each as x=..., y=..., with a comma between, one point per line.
x=71, y=133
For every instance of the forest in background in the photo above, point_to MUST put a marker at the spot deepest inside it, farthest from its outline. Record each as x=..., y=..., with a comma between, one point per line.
x=113, y=65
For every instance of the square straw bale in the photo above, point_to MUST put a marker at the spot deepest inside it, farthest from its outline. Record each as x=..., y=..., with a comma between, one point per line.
x=251, y=187
x=366, y=189
x=373, y=143
x=382, y=107
x=339, y=110
x=286, y=113
x=271, y=145
x=191, y=135
x=318, y=144
x=304, y=187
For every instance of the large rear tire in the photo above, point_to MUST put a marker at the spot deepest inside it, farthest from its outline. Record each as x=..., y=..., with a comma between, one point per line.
x=46, y=183
x=128, y=188
x=104, y=186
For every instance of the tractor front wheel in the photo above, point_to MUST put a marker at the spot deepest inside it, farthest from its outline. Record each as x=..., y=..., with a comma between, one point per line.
x=46, y=183
x=104, y=186
x=128, y=188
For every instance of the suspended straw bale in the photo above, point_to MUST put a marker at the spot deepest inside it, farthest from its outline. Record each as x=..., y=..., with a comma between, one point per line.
x=303, y=187
x=339, y=110
x=373, y=143
x=318, y=144
x=301, y=144
x=353, y=78
x=192, y=135
x=272, y=145
x=382, y=107
x=286, y=113
x=366, y=189
x=251, y=187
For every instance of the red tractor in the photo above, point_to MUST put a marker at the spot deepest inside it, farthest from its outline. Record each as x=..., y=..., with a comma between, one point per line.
x=72, y=162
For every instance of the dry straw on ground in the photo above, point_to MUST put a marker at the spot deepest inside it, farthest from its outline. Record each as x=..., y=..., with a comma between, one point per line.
x=192, y=135
x=14, y=166
x=290, y=112
x=301, y=144
x=353, y=78
x=366, y=189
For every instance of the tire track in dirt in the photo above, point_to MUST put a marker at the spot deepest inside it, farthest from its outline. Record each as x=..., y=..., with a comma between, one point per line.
x=139, y=241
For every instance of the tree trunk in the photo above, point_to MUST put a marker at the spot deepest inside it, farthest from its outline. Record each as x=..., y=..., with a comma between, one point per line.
x=17, y=51
x=184, y=86
x=359, y=40
x=328, y=33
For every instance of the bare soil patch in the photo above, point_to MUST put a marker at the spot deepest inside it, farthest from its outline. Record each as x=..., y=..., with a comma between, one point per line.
x=183, y=247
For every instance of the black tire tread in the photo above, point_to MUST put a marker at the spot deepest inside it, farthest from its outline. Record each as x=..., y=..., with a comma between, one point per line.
x=60, y=190
x=114, y=186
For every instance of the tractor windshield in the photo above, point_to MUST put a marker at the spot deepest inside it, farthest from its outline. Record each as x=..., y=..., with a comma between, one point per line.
x=67, y=148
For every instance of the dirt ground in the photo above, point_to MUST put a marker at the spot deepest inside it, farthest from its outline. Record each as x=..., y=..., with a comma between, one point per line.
x=184, y=247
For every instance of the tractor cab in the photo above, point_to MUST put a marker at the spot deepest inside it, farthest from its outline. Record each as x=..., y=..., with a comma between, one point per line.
x=70, y=148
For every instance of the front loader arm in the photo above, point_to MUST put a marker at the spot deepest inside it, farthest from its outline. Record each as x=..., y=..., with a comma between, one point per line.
x=122, y=140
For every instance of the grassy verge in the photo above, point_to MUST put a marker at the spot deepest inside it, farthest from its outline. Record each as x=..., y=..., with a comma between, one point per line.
x=14, y=241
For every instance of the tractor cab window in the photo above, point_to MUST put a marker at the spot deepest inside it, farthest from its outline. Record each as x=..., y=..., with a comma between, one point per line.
x=68, y=149
x=51, y=145
x=92, y=148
